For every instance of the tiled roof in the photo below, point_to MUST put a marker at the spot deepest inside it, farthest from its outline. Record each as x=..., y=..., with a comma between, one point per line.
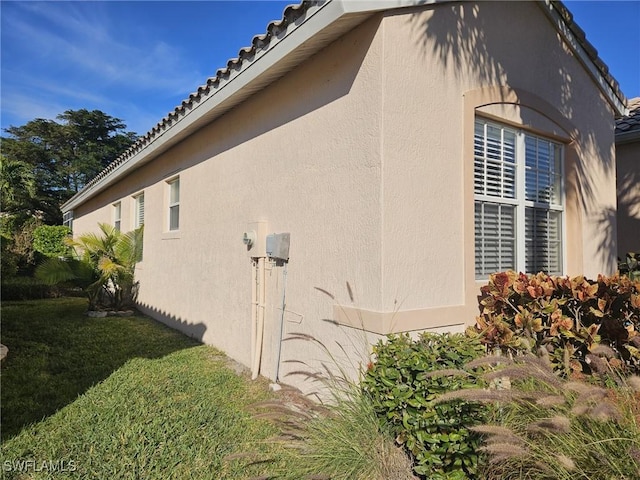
x=591, y=51
x=294, y=15
x=631, y=123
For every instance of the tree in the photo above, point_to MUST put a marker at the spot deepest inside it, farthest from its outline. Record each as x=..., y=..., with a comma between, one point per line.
x=64, y=155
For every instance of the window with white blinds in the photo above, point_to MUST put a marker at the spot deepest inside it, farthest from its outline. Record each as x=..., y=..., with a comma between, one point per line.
x=117, y=215
x=138, y=214
x=518, y=201
x=174, y=204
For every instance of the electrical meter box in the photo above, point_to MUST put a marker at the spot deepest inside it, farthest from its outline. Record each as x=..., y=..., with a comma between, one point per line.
x=278, y=246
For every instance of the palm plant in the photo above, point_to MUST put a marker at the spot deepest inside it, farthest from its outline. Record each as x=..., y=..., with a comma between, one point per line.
x=103, y=265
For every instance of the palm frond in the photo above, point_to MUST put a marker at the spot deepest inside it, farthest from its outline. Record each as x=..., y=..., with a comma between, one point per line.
x=54, y=270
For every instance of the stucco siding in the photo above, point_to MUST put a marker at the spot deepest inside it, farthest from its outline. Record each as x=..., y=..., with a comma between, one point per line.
x=364, y=154
x=303, y=155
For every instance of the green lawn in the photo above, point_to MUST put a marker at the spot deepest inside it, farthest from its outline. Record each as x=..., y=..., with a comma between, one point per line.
x=119, y=398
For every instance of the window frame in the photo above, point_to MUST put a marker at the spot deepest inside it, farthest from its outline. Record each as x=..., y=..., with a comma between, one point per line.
x=138, y=210
x=520, y=202
x=67, y=219
x=117, y=216
x=173, y=206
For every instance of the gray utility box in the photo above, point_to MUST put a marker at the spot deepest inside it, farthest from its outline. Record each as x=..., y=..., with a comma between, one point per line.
x=278, y=246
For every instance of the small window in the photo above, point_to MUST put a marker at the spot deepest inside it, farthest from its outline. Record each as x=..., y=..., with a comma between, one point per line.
x=174, y=204
x=138, y=217
x=117, y=215
x=67, y=219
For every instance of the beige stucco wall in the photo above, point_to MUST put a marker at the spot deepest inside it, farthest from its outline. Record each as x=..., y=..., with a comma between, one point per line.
x=363, y=154
x=628, y=173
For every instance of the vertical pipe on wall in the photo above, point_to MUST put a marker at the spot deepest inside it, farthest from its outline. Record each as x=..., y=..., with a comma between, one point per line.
x=254, y=308
x=255, y=371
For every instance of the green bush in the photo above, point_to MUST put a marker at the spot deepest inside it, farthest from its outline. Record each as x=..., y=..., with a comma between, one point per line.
x=630, y=266
x=403, y=382
x=49, y=240
x=26, y=288
x=9, y=260
x=18, y=254
x=563, y=319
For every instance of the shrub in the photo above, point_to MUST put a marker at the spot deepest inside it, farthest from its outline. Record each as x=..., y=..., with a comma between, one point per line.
x=49, y=240
x=563, y=318
x=18, y=254
x=403, y=382
x=547, y=427
x=26, y=288
x=630, y=266
x=9, y=260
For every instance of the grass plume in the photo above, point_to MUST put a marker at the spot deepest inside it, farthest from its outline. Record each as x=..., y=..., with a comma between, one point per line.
x=546, y=427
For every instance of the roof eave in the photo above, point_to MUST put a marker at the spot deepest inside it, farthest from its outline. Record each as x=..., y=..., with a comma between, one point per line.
x=323, y=22
x=627, y=137
x=252, y=75
x=613, y=95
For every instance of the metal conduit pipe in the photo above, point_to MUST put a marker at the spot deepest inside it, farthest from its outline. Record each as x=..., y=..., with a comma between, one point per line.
x=281, y=331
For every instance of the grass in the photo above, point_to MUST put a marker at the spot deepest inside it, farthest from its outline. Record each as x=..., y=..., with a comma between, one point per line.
x=57, y=353
x=129, y=398
x=120, y=398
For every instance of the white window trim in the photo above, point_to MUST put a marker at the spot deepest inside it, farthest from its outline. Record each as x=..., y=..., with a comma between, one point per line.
x=117, y=215
x=520, y=202
x=172, y=181
x=136, y=210
x=67, y=219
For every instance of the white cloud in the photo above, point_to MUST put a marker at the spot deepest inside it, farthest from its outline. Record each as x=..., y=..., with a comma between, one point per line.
x=83, y=39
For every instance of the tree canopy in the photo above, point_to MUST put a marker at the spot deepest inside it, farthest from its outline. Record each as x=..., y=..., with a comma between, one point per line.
x=45, y=162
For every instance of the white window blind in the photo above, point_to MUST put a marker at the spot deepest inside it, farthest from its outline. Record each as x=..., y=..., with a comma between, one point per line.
x=117, y=215
x=518, y=201
x=174, y=204
x=139, y=211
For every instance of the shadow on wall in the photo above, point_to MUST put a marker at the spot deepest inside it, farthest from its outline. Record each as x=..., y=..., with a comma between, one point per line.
x=629, y=213
x=324, y=78
x=193, y=330
x=466, y=40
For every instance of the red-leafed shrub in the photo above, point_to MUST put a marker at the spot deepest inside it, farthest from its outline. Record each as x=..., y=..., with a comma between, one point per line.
x=572, y=321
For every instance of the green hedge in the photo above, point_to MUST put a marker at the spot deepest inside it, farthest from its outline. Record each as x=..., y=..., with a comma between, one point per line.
x=24, y=288
x=28, y=288
x=49, y=240
x=402, y=388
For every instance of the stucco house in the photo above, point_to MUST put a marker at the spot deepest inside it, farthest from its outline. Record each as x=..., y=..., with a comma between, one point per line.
x=628, y=174
x=407, y=147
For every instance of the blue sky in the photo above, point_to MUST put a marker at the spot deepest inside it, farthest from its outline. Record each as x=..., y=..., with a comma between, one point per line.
x=138, y=60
